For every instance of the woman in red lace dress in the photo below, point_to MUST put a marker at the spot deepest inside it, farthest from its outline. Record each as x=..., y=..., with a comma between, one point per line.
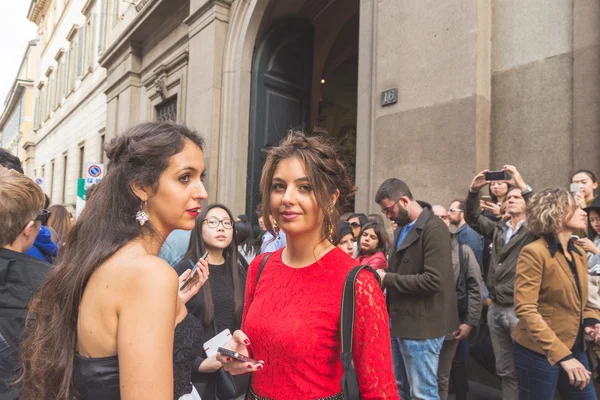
x=291, y=319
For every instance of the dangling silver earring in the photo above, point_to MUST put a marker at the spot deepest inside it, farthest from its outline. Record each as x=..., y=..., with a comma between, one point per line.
x=141, y=215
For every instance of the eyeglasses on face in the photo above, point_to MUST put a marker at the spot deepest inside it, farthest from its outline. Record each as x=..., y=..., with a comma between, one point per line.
x=454, y=210
x=43, y=218
x=213, y=223
x=355, y=225
x=388, y=209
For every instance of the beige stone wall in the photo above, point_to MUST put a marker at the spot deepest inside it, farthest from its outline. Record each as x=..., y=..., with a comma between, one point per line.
x=434, y=138
x=546, y=88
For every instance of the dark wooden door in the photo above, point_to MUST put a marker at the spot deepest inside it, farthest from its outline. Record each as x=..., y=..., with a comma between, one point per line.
x=280, y=98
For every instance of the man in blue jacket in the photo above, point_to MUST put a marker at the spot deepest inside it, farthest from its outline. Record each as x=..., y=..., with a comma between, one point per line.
x=464, y=233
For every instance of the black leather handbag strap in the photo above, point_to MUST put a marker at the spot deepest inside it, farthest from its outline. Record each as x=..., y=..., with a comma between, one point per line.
x=350, y=379
x=260, y=269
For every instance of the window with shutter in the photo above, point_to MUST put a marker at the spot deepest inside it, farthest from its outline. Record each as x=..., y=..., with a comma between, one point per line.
x=36, y=117
x=115, y=12
x=65, y=77
x=58, y=83
x=72, y=66
x=45, y=108
x=91, y=43
x=52, y=84
x=80, y=52
x=42, y=105
x=102, y=27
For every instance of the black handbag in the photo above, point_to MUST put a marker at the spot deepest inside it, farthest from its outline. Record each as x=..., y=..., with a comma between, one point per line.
x=225, y=387
x=350, y=387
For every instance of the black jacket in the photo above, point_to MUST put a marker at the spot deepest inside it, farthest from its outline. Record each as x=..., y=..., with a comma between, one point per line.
x=20, y=276
x=420, y=283
x=500, y=278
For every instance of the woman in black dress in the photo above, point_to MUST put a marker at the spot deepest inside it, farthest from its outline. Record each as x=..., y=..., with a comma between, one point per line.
x=219, y=303
x=110, y=321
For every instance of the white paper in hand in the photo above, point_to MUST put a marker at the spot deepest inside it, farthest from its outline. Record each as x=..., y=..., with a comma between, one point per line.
x=213, y=344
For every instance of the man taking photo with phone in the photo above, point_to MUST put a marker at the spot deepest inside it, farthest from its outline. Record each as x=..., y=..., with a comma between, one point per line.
x=508, y=238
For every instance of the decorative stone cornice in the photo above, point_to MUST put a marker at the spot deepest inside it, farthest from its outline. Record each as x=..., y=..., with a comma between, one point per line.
x=88, y=6
x=36, y=10
x=72, y=32
x=59, y=54
x=49, y=71
x=140, y=4
x=164, y=69
x=206, y=8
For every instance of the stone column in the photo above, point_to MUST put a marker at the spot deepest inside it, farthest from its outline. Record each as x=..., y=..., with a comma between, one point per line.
x=123, y=89
x=208, y=21
x=436, y=136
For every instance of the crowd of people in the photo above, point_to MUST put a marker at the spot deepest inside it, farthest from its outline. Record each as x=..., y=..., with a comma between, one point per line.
x=123, y=302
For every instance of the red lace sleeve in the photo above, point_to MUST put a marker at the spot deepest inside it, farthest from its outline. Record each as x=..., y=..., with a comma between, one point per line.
x=371, y=345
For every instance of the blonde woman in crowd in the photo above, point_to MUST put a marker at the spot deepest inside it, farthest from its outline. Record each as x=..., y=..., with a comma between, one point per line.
x=551, y=293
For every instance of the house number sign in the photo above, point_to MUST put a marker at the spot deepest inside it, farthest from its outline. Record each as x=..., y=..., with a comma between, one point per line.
x=389, y=97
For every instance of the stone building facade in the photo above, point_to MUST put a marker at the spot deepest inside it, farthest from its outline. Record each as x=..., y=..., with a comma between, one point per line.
x=70, y=113
x=477, y=84
x=16, y=121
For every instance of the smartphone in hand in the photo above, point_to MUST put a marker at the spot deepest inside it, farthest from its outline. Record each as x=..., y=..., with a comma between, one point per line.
x=194, y=272
x=497, y=176
x=575, y=189
x=236, y=356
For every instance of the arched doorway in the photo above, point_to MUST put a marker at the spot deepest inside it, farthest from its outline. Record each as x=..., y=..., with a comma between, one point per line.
x=281, y=86
x=304, y=74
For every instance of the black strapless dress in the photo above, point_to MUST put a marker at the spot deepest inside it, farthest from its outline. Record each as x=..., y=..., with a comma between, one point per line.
x=98, y=378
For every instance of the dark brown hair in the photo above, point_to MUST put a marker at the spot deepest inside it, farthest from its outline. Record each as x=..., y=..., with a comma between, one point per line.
x=106, y=224
x=589, y=173
x=392, y=189
x=60, y=221
x=382, y=236
x=326, y=174
x=461, y=203
x=197, y=249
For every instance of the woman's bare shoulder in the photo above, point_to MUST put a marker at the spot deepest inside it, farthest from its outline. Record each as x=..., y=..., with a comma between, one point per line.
x=133, y=272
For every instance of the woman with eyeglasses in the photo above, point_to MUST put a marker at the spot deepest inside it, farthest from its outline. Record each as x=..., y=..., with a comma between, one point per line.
x=219, y=303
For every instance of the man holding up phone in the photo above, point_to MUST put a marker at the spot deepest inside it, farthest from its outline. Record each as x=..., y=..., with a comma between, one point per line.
x=508, y=238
